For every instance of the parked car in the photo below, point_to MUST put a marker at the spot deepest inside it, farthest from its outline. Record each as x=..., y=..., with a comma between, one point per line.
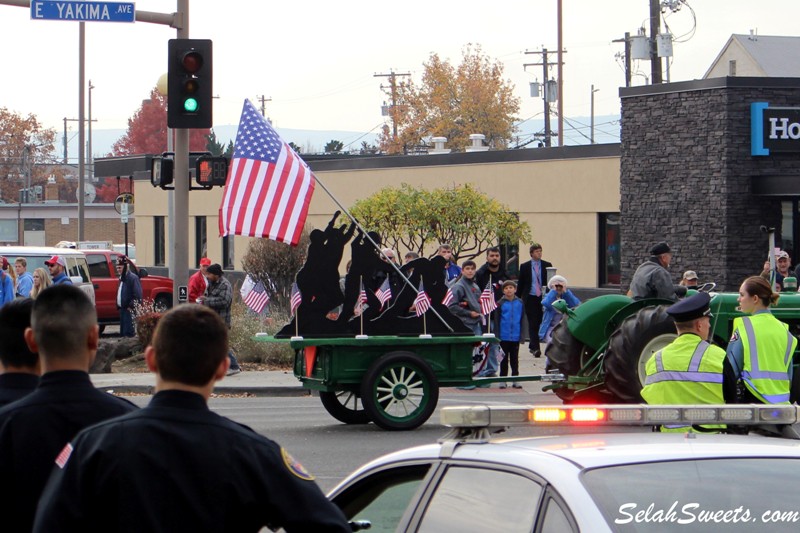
x=35, y=256
x=598, y=482
x=102, y=267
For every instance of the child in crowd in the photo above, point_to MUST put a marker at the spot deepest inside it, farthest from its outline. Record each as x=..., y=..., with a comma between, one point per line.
x=509, y=317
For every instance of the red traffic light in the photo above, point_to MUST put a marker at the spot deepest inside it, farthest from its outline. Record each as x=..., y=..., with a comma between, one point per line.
x=192, y=61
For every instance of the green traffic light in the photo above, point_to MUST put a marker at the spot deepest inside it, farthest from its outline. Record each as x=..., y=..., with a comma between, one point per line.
x=190, y=105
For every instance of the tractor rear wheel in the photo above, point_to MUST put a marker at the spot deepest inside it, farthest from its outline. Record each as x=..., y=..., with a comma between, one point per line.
x=567, y=354
x=631, y=346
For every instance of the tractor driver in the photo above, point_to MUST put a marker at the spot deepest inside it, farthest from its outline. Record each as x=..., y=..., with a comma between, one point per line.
x=690, y=370
x=652, y=279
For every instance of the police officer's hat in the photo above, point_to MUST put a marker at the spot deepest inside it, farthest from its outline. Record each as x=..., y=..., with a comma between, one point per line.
x=695, y=306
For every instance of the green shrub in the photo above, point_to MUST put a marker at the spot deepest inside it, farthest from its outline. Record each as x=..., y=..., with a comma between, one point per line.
x=244, y=326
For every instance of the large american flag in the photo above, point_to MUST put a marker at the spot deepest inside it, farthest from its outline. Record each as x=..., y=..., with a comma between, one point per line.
x=487, y=300
x=256, y=298
x=384, y=292
x=268, y=188
x=422, y=302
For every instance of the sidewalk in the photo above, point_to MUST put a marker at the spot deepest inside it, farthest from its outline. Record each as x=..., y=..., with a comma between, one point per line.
x=257, y=383
x=274, y=382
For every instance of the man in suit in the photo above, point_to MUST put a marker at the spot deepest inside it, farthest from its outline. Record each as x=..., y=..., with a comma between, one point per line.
x=530, y=289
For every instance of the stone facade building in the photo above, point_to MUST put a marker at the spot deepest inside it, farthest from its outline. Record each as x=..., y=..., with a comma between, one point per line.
x=688, y=176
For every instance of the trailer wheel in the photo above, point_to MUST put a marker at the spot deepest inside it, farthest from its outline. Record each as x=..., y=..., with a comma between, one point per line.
x=163, y=302
x=399, y=391
x=345, y=406
x=631, y=346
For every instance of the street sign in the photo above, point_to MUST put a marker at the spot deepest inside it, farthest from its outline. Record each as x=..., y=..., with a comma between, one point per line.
x=125, y=199
x=83, y=11
x=124, y=213
x=183, y=294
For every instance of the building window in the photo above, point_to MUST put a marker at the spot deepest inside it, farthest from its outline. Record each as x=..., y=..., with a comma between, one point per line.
x=200, y=239
x=33, y=224
x=159, y=240
x=788, y=208
x=609, y=254
x=227, y=252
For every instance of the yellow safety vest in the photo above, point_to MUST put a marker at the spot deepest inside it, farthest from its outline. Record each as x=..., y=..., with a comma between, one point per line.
x=768, y=348
x=688, y=371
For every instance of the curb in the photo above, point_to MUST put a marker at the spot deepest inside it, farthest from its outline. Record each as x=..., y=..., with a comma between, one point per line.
x=252, y=391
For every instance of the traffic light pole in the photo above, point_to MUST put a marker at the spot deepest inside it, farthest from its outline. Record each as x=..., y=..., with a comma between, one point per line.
x=180, y=223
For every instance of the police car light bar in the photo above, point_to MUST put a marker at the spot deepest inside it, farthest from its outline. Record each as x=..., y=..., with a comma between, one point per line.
x=485, y=416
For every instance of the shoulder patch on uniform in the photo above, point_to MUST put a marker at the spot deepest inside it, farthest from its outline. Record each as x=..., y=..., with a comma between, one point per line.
x=63, y=457
x=735, y=336
x=294, y=466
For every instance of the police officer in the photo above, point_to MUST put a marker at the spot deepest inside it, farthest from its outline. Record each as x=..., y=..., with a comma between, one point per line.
x=761, y=347
x=177, y=466
x=690, y=370
x=652, y=279
x=34, y=429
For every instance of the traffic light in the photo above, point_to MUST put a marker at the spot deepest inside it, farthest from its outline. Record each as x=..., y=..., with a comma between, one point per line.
x=211, y=171
x=162, y=170
x=189, y=86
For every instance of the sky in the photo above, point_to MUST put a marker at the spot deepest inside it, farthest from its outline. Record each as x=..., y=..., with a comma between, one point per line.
x=317, y=59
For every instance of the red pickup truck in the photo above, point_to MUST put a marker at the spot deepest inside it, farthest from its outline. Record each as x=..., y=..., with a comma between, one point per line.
x=102, y=268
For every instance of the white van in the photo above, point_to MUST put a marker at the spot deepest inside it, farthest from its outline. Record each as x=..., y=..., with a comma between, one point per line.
x=77, y=268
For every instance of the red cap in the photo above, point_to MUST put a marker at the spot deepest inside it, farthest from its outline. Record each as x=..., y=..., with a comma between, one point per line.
x=205, y=261
x=56, y=260
x=5, y=263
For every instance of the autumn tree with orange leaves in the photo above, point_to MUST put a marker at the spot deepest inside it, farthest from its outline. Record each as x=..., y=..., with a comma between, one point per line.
x=27, y=154
x=453, y=102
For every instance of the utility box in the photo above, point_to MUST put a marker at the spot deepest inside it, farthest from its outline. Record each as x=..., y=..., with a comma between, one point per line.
x=664, y=44
x=640, y=47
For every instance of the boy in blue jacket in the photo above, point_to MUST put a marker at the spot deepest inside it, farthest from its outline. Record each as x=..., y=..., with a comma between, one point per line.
x=509, y=317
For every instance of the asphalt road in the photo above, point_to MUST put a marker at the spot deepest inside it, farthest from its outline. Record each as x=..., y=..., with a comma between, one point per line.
x=331, y=450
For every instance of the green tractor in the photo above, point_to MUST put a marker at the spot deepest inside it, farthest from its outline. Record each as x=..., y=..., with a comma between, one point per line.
x=602, y=346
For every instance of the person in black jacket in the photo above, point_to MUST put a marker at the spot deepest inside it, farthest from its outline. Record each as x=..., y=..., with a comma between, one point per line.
x=35, y=429
x=128, y=293
x=530, y=289
x=177, y=466
x=19, y=366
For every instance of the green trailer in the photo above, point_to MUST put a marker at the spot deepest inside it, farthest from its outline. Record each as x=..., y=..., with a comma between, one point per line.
x=392, y=381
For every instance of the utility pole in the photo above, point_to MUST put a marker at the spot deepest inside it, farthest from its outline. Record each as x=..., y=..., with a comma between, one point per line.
x=560, y=73
x=627, y=41
x=655, y=29
x=263, y=99
x=393, y=88
x=591, y=127
x=545, y=64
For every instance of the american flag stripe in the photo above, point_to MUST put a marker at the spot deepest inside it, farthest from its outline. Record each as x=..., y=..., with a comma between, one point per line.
x=63, y=457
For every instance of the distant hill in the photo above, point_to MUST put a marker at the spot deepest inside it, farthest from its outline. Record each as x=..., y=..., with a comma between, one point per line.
x=576, y=132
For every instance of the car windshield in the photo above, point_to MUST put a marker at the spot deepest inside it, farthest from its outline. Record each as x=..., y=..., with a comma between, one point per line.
x=737, y=494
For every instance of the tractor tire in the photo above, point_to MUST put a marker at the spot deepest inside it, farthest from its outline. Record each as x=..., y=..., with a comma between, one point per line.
x=631, y=346
x=564, y=351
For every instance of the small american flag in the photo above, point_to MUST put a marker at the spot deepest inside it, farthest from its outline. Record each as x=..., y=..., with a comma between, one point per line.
x=422, y=302
x=296, y=298
x=362, y=300
x=257, y=298
x=269, y=186
x=487, y=300
x=384, y=292
x=63, y=457
x=448, y=297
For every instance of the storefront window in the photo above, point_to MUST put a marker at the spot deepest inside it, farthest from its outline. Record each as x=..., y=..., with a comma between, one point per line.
x=608, y=241
x=787, y=226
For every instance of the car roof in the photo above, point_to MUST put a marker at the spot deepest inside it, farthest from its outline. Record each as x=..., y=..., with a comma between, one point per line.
x=38, y=250
x=599, y=449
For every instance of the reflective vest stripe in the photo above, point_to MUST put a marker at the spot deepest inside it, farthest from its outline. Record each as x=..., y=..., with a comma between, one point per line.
x=677, y=375
x=789, y=348
x=690, y=375
x=767, y=384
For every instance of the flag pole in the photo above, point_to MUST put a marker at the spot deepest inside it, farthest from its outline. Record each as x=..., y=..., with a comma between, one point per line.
x=371, y=240
x=360, y=303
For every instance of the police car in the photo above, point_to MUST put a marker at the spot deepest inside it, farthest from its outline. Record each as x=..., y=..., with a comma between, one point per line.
x=591, y=483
